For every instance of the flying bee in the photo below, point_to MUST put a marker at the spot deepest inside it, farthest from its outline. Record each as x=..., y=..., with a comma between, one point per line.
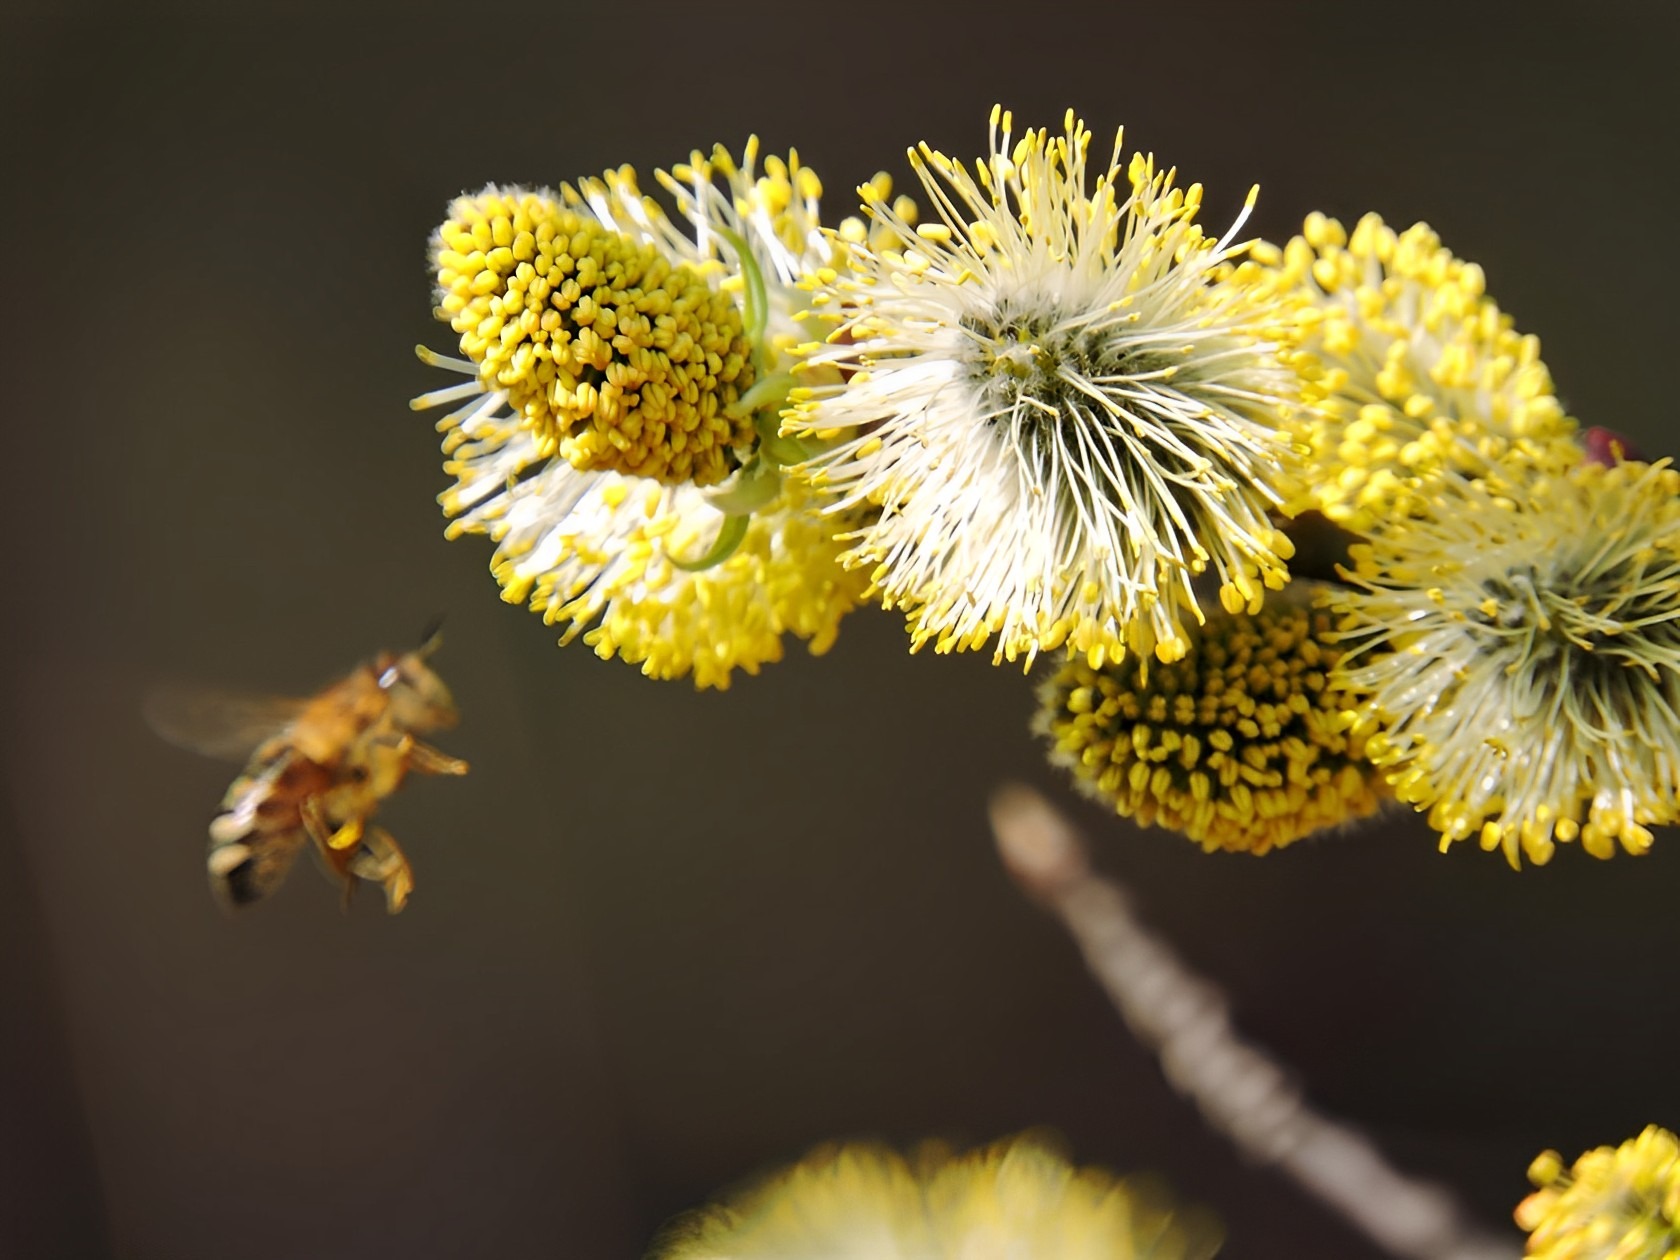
x=320, y=769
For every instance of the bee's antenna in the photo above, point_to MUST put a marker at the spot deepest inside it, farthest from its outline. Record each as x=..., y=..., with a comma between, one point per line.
x=431, y=638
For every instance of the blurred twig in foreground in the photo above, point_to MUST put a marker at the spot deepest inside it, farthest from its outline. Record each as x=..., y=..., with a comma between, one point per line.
x=1241, y=1092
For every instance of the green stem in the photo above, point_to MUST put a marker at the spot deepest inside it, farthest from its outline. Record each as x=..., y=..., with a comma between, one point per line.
x=730, y=534
x=767, y=393
x=755, y=487
x=775, y=447
x=756, y=299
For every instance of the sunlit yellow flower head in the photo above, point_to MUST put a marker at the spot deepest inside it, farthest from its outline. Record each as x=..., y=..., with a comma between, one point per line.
x=615, y=354
x=1012, y=1200
x=1522, y=657
x=1421, y=372
x=1240, y=745
x=590, y=459
x=1064, y=400
x=1616, y=1203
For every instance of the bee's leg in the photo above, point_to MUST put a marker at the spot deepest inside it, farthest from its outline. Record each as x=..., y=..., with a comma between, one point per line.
x=380, y=859
x=334, y=860
x=348, y=836
x=429, y=760
x=315, y=823
x=385, y=762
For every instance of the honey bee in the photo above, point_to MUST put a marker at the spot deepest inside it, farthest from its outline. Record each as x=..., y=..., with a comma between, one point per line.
x=320, y=768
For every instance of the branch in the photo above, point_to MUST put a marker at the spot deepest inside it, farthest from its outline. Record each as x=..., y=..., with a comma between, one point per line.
x=1242, y=1093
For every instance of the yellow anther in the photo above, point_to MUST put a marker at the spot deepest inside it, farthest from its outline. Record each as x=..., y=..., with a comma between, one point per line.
x=1204, y=745
x=552, y=312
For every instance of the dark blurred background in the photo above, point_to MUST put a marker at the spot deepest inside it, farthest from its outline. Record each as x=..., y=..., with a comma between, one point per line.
x=663, y=939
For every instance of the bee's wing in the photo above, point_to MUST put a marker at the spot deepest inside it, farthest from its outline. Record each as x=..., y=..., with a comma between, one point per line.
x=222, y=724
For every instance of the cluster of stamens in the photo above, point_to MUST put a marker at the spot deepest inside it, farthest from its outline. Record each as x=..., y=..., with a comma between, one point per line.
x=1240, y=745
x=618, y=357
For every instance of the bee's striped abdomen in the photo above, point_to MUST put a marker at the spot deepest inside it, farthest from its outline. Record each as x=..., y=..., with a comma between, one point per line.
x=258, y=834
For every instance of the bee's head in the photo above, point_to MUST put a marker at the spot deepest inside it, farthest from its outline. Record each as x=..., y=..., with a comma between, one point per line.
x=419, y=699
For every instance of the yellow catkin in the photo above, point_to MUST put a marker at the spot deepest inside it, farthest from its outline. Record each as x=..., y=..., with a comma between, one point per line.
x=1239, y=745
x=1015, y=1198
x=1058, y=406
x=614, y=553
x=1418, y=372
x=1520, y=659
x=1613, y=1203
x=618, y=357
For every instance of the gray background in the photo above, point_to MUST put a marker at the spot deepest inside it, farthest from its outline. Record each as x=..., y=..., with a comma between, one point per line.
x=661, y=939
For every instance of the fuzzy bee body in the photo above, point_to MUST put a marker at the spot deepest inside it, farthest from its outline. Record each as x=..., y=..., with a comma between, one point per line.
x=319, y=774
x=255, y=840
